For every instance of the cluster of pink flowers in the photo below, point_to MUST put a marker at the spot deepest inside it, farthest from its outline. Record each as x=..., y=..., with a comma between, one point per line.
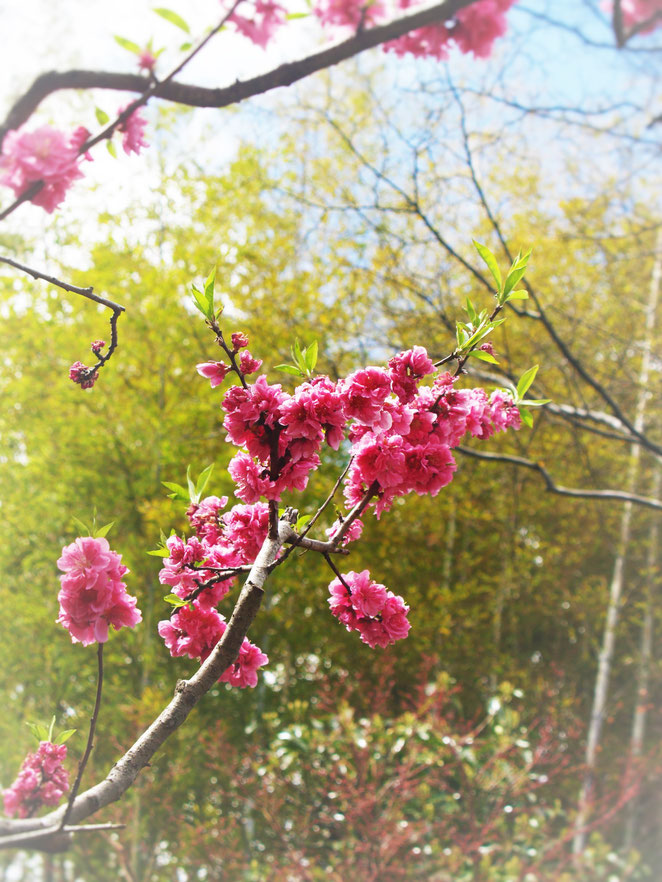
x=195, y=630
x=41, y=781
x=404, y=446
x=52, y=158
x=365, y=606
x=46, y=155
x=636, y=12
x=81, y=374
x=133, y=131
x=223, y=539
x=93, y=595
x=473, y=29
x=401, y=436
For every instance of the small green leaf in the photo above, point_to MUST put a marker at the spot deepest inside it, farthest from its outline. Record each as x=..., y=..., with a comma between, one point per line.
x=297, y=355
x=301, y=522
x=526, y=380
x=310, y=356
x=292, y=16
x=191, y=485
x=110, y=147
x=203, y=480
x=83, y=528
x=535, y=402
x=101, y=115
x=50, y=729
x=39, y=731
x=491, y=263
x=518, y=294
x=288, y=369
x=178, y=492
x=128, y=45
x=185, y=47
x=100, y=532
x=173, y=18
x=159, y=552
x=527, y=419
x=173, y=600
x=471, y=311
x=65, y=736
x=483, y=356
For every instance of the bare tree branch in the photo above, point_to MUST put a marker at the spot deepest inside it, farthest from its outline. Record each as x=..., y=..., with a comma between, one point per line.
x=552, y=486
x=198, y=96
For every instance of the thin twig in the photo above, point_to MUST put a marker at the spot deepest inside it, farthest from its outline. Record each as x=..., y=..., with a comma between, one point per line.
x=90, y=739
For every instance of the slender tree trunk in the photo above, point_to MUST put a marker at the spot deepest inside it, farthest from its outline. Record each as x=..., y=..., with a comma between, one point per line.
x=616, y=589
x=645, y=655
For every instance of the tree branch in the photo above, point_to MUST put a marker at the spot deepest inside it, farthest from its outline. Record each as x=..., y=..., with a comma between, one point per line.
x=187, y=694
x=198, y=96
x=553, y=487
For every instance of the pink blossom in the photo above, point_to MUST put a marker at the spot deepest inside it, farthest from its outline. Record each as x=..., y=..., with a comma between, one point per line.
x=93, y=596
x=407, y=369
x=636, y=12
x=248, y=364
x=267, y=16
x=214, y=371
x=365, y=606
x=42, y=155
x=349, y=13
x=246, y=528
x=204, y=517
x=83, y=375
x=364, y=393
x=146, y=60
x=354, y=532
x=194, y=631
x=97, y=346
x=239, y=341
x=41, y=781
x=250, y=413
x=133, y=130
x=474, y=29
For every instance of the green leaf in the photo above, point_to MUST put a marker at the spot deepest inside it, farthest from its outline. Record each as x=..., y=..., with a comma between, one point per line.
x=512, y=279
x=39, y=730
x=527, y=419
x=209, y=291
x=535, y=402
x=301, y=522
x=518, y=294
x=203, y=480
x=185, y=47
x=110, y=147
x=50, y=729
x=292, y=16
x=288, y=369
x=173, y=600
x=310, y=356
x=65, y=736
x=526, y=380
x=491, y=263
x=297, y=355
x=471, y=311
x=178, y=492
x=202, y=301
x=101, y=115
x=483, y=356
x=159, y=552
x=191, y=485
x=83, y=528
x=173, y=18
x=100, y=532
x=128, y=45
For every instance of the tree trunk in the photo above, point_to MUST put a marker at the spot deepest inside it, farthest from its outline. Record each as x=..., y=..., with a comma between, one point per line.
x=616, y=589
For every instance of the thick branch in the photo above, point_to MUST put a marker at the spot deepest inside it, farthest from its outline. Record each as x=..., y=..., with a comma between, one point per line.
x=552, y=486
x=197, y=96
